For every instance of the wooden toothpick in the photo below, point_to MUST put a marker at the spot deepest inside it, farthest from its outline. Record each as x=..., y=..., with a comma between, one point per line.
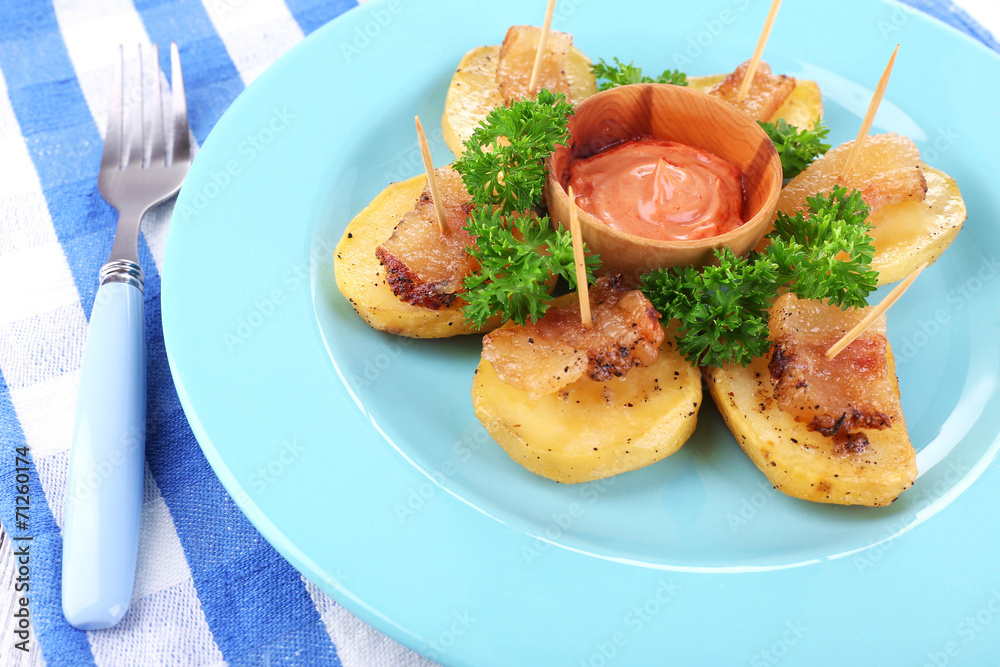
x=542, y=41
x=759, y=51
x=425, y=153
x=582, y=288
x=860, y=327
x=866, y=124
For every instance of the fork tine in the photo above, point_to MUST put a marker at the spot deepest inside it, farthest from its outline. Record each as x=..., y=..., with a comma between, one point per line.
x=158, y=154
x=137, y=121
x=112, y=155
x=134, y=188
x=182, y=147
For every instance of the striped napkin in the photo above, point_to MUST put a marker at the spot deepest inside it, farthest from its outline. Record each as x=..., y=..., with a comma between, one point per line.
x=209, y=589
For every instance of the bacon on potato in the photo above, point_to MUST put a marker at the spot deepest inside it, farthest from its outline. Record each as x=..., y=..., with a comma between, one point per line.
x=887, y=171
x=425, y=267
x=544, y=356
x=517, y=59
x=766, y=94
x=835, y=397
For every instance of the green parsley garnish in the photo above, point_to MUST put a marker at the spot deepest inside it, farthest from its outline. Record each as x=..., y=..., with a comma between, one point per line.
x=504, y=160
x=514, y=271
x=503, y=168
x=723, y=309
x=805, y=249
x=797, y=148
x=621, y=74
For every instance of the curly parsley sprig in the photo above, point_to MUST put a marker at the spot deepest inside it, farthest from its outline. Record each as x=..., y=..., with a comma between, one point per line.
x=504, y=160
x=825, y=253
x=503, y=168
x=518, y=255
x=806, y=249
x=722, y=309
x=796, y=148
x=621, y=74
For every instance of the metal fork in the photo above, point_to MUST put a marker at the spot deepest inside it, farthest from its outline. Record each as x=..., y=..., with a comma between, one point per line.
x=104, y=490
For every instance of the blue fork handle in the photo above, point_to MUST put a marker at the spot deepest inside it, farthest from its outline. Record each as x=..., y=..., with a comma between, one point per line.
x=104, y=492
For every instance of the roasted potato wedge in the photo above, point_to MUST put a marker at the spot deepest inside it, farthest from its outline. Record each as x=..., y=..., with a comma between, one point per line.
x=803, y=463
x=910, y=233
x=361, y=277
x=803, y=108
x=473, y=92
x=590, y=430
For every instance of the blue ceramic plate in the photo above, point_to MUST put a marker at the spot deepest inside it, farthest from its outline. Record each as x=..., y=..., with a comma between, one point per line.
x=358, y=456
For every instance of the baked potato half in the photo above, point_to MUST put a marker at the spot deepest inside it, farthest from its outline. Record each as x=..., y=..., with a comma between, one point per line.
x=910, y=233
x=361, y=277
x=591, y=430
x=473, y=91
x=803, y=463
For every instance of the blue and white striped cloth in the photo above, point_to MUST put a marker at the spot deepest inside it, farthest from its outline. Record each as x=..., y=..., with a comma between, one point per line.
x=209, y=589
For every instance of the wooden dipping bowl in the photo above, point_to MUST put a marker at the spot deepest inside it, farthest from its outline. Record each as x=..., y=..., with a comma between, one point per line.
x=676, y=113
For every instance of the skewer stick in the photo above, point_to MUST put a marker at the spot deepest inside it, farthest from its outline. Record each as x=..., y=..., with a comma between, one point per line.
x=550, y=8
x=425, y=153
x=866, y=124
x=759, y=51
x=582, y=288
x=860, y=327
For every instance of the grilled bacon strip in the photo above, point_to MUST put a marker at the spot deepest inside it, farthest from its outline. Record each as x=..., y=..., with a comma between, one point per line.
x=767, y=92
x=517, y=58
x=423, y=266
x=544, y=356
x=887, y=171
x=833, y=397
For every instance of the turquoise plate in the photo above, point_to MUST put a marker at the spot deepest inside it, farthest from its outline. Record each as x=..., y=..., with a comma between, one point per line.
x=358, y=456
